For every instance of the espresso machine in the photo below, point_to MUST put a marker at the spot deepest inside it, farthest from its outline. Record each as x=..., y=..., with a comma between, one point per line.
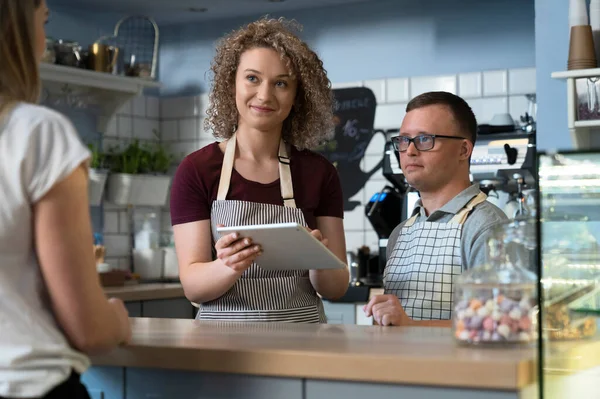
x=386, y=208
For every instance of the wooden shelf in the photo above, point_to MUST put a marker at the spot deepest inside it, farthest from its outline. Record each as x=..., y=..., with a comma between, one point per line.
x=577, y=73
x=109, y=92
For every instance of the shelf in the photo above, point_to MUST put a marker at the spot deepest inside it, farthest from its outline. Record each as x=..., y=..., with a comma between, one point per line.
x=595, y=123
x=108, y=92
x=92, y=79
x=577, y=73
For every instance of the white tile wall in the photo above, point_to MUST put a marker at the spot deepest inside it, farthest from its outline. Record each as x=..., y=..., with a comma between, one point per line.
x=422, y=84
x=378, y=88
x=495, y=83
x=470, y=85
x=398, y=90
x=521, y=81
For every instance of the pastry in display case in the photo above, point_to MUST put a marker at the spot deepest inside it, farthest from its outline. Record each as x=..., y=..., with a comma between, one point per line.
x=569, y=252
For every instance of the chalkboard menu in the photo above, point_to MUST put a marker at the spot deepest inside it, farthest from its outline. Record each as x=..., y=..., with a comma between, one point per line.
x=354, y=116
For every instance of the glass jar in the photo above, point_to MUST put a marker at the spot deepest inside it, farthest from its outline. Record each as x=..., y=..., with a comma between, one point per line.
x=496, y=303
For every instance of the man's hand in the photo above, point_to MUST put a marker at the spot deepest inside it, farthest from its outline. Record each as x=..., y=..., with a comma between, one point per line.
x=387, y=311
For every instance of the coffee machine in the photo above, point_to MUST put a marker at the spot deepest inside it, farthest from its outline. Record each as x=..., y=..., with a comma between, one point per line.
x=386, y=208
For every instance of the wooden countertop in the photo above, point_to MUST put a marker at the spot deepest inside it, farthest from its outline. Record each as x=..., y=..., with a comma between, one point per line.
x=146, y=292
x=402, y=355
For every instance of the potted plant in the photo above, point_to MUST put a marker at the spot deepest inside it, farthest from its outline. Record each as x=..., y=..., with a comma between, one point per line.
x=139, y=174
x=97, y=175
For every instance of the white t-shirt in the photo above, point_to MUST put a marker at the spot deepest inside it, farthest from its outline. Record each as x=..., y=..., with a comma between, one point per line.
x=38, y=148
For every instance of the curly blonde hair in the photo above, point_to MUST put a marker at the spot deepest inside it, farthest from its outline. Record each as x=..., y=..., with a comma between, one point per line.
x=310, y=122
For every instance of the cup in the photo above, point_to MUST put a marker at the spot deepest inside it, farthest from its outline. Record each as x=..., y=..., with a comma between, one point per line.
x=582, y=53
x=578, y=14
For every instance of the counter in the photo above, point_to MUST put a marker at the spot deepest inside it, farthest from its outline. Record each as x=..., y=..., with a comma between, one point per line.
x=145, y=292
x=415, y=362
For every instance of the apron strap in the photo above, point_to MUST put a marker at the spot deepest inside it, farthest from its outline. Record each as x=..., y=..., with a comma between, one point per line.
x=461, y=216
x=226, y=169
x=285, y=174
x=411, y=221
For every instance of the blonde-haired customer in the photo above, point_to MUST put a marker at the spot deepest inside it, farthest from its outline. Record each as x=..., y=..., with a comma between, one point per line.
x=53, y=310
x=272, y=102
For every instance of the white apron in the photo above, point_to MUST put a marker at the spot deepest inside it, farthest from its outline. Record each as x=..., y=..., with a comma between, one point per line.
x=424, y=263
x=262, y=295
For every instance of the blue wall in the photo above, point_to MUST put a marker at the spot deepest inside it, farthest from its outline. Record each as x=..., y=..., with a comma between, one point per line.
x=552, y=47
x=376, y=40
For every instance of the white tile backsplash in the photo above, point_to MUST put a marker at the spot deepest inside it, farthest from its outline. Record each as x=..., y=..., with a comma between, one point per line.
x=124, y=222
x=389, y=116
x=111, y=222
x=169, y=130
x=124, y=127
x=470, y=85
x=397, y=90
x=346, y=85
x=144, y=129
x=111, y=127
x=378, y=88
x=517, y=106
x=188, y=129
x=139, y=106
x=495, y=83
x=354, y=240
x=485, y=108
x=354, y=220
x=152, y=107
x=125, y=109
x=422, y=84
x=179, y=107
x=521, y=81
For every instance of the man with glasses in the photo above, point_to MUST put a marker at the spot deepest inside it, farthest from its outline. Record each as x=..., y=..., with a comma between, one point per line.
x=449, y=227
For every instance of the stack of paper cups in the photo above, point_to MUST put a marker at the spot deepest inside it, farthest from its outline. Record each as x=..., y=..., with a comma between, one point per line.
x=582, y=53
x=577, y=13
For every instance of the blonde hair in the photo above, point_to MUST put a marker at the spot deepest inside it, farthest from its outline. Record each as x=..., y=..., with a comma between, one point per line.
x=19, y=71
x=310, y=122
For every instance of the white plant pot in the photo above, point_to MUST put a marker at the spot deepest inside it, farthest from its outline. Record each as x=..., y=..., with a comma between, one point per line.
x=97, y=182
x=141, y=190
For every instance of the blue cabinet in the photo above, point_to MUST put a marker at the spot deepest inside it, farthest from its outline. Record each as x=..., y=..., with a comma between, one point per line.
x=105, y=382
x=171, y=384
x=355, y=390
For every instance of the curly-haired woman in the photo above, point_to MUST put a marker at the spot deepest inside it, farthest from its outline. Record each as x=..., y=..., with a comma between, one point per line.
x=271, y=102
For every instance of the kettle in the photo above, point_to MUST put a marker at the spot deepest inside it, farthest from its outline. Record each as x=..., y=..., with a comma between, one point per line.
x=105, y=58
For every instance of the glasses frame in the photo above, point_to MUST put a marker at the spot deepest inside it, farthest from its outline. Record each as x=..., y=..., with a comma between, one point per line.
x=396, y=141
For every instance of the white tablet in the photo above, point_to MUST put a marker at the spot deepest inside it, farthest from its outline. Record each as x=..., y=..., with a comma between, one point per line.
x=287, y=246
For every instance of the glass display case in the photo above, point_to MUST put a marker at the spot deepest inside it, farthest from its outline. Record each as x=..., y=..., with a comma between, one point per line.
x=569, y=251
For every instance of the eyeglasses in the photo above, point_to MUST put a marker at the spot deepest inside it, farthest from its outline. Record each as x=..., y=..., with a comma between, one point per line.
x=422, y=142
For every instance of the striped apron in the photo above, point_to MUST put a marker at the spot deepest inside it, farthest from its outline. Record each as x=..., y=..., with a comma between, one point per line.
x=262, y=295
x=424, y=263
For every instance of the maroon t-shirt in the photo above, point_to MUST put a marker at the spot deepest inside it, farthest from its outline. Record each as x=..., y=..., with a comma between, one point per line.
x=317, y=188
